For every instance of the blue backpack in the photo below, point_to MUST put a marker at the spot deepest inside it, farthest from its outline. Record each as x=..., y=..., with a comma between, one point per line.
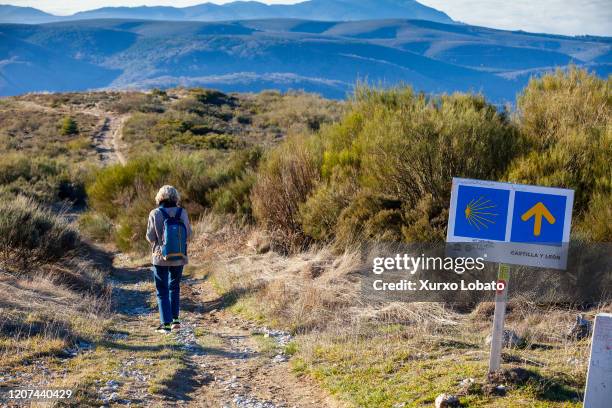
x=174, y=247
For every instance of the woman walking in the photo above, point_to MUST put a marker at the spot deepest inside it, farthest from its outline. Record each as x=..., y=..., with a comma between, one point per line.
x=167, y=232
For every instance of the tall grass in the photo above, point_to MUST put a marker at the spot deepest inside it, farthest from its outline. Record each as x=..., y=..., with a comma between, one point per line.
x=31, y=235
x=289, y=175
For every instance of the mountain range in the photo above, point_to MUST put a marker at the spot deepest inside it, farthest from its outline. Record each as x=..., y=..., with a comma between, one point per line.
x=324, y=10
x=327, y=57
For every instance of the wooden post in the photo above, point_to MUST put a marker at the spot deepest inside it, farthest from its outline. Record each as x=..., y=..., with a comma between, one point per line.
x=503, y=275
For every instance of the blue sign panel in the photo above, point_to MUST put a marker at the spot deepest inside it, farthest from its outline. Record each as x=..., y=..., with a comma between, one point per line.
x=510, y=223
x=481, y=213
x=538, y=218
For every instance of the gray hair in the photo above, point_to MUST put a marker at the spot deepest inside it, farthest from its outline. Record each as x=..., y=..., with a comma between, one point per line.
x=167, y=193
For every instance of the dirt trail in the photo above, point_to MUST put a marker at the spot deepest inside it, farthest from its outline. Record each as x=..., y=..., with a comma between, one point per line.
x=245, y=365
x=108, y=138
x=226, y=361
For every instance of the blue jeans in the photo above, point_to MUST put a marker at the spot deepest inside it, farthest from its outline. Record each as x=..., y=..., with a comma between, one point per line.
x=167, y=282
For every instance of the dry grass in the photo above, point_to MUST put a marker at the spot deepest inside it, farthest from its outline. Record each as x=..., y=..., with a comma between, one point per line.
x=33, y=128
x=381, y=355
x=40, y=317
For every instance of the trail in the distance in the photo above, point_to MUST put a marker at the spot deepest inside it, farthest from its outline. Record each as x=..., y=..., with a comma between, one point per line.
x=108, y=138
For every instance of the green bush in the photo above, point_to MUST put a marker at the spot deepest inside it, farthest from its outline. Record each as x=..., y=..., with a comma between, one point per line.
x=126, y=194
x=384, y=171
x=31, y=235
x=211, y=96
x=387, y=166
x=69, y=127
x=43, y=179
x=369, y=217
x=234, y=197
x=595, y=225
x=565, y=120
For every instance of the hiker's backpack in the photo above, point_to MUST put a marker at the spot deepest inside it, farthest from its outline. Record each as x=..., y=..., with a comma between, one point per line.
x=174, y=246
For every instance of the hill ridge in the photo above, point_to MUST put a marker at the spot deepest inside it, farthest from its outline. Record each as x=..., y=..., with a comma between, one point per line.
x=238, y=10
x=252, y=55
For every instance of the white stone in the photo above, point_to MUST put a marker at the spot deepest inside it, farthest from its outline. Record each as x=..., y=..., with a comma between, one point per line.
x=446, y=401
x=598, y=392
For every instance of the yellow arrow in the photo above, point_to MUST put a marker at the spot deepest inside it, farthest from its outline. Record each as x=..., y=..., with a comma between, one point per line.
x=538, y=211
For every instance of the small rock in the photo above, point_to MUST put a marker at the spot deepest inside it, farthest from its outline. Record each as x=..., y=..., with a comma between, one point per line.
x=500, y=390
x=446, y=401
x=581, y=329
x=466, y=382
x=509, y=340
x=112, y=384
x=279, y=358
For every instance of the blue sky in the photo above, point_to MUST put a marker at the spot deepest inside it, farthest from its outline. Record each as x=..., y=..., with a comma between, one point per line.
x=570, y=17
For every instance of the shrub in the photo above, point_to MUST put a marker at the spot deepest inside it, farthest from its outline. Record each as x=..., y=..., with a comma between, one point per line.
x=234, y=197
x=387, y=166
x=595, y=224
x=564, y=119
x=116, y=186
x=284, y=181
x=296, y=111
x=96, y=226
x=43, y=179
x=369, y=217
x=321, y=210
x=125, y=102
x=125, y=194
x=31, y=235
x=211, y=96
x=413, y=146
x=69, y=126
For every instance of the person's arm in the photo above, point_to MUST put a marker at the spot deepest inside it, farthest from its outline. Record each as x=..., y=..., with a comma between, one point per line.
x=151, y=231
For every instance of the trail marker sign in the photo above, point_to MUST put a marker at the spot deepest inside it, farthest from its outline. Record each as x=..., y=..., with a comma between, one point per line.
x=510, y=223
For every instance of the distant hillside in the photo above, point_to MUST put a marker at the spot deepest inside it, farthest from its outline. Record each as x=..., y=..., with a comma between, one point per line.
x=28, y=15
x=324, y=57
x=332, y=10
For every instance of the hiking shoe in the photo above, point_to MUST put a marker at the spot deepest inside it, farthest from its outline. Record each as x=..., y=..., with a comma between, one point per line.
x=163, y=328
x=176, y=324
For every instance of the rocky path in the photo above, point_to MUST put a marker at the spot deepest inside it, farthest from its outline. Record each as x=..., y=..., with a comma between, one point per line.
x=107, y=139
x=216, y=360
x=219, y=359
x=245, y=365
